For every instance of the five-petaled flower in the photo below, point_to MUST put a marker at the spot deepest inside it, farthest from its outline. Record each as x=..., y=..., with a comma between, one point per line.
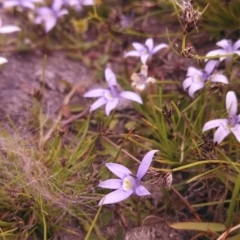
x=21, y=3
x=6, y=30
x=228, y=49
x=128, y=183
x=110, y=96
x=145, y=51
x=225, y=126
x=141, y=80
x=196, y=78
x=50, y=15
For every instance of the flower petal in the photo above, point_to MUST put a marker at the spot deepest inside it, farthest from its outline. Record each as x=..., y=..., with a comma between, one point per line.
x=116, y=196
x=193, y=71
x=195, y=87
x=213, y=124
x=95, y=93
x=62, y=12
x=220, y=134
x=236, y=132
x=149, y=44
x=111, y=184
x=3, y=60
x=142, y=191
x=132, y=53
x=139, y=47
x=150, y=80
x=225, y=44
x=231, y=103
x=88, y=2
x=131, y=96
x=44, y=11
x=159, y=47
x=118, y=169
x=9, y=29
x=144, y=70
x=97, y=104
x=111, y=105
x=210, y=65
x=10, y=4
x=187, y=83
x=50, y=23
x=219, y=78
x=216, y=54
x=144, y=58
x=236, y=45
x=145, y=164
x=110, y=77
x=56, y=5
x=28, y=5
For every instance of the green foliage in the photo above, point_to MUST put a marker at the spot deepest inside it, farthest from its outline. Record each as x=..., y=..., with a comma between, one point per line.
x=51, y=178
x=222, y=18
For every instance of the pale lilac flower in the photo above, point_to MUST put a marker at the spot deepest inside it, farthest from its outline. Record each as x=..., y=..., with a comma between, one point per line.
x=225, y=126
x=6, y=30
x=196, y=78
x=140, y=81
x=128, y=183
x=49, y=16
x=110, y=96
x=21, y=3
x=145, y=51
x=228, y=48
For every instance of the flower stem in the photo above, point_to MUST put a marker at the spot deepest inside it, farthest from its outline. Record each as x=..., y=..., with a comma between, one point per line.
x=184, y=41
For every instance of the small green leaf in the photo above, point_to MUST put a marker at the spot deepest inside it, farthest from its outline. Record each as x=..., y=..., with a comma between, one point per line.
x=199, y=226
x=113, y=124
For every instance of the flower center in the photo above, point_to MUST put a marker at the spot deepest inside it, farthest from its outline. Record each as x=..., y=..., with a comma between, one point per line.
x=109, y=96
x=232, y=121
x=112, y=93
x=144, y=51
x=197, y=78
x=129, y=183
x=141, y=79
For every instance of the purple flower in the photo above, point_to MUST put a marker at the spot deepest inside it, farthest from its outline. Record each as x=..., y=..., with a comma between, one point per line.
x=110, y=96
x=128, y=183
x=145, y=51
x=227, y=48
x=225, y=126
x=50, y=15
x=21, y=3
x=196, y=78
